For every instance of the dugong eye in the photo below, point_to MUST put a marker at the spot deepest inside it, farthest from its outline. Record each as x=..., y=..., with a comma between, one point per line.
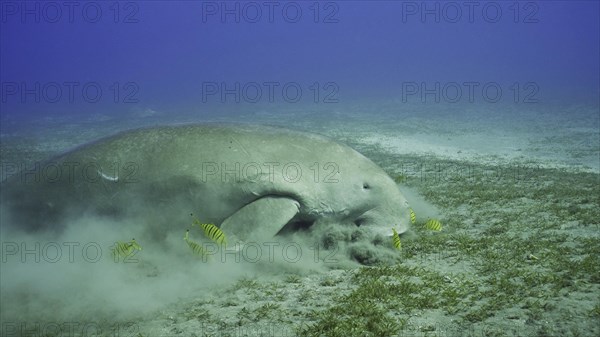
x=366, y=186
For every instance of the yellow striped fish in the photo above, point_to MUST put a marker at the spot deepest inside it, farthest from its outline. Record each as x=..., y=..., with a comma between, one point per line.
x=433, y=224
x=195, y=247
x=125, y=249
x=396, y=239
x=413, y=216
x=211, y=231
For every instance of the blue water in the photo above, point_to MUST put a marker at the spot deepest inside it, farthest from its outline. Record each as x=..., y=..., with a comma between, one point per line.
x=114, y=58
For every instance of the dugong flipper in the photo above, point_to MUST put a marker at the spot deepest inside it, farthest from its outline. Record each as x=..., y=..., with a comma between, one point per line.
x=250, y=180
x=262, y=218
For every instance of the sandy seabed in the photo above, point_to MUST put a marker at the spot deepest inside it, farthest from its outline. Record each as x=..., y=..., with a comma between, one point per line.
x=515, y=188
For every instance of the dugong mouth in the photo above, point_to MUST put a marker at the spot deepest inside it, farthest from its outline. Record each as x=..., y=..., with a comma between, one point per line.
x=380, y=223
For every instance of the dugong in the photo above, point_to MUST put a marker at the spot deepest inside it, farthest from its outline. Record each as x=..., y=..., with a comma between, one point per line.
x=252, y=181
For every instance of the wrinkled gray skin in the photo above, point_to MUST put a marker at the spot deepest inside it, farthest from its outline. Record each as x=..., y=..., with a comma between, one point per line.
x=163, y=174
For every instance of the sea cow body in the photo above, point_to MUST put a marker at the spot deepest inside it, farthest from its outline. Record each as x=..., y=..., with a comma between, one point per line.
x=252, y=181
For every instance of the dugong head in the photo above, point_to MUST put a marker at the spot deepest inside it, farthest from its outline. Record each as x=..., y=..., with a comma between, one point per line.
x=367, y=197
x=380, y=204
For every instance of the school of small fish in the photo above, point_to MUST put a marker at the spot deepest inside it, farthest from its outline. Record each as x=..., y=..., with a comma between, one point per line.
x=214, y=233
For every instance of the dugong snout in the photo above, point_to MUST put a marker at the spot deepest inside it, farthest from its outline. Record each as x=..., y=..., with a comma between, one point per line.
x=381, y=221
